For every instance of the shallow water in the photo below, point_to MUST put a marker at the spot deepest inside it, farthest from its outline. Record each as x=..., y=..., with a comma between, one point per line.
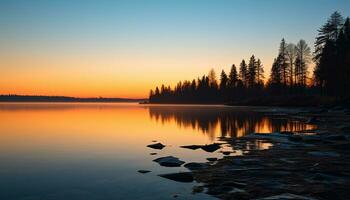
x=93, y=150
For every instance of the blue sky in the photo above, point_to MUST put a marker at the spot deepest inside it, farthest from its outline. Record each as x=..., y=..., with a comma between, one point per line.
x=167, y=40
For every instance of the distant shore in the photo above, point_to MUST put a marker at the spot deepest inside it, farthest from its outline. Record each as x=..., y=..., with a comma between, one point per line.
x=34, y=98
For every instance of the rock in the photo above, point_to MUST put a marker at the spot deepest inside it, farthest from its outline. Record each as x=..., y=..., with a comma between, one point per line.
x=287, y=196
x=212, y=159
x=226, y=152
x=324, y=153
x=156, y=146
x=193, y=147
x=211, y=147
x=144, y=171
x=195, y=166
x=169, y=161
x=185, y=177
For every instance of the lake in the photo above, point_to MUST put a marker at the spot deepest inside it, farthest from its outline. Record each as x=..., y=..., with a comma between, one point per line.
x=94, y=150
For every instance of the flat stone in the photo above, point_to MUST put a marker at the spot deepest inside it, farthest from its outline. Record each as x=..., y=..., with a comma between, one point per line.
x=169, y=161
x=211, y=147
x=144, y=171
x=185, y=177
x=212, y=159
x=156, y=146
x=226, y=152
x=193, y=147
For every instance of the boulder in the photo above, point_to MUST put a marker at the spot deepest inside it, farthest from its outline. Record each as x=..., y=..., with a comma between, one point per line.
x=169, y=161
x=156, y=146
x=185, y=177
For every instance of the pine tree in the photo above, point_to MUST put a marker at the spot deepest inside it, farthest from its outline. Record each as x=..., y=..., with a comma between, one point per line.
x=233, y=77
x=252, y=71
x=283, y=61
x=291, y=56
x=243, y=73
x=259, y=72
x=223, y=81
x=325, y=56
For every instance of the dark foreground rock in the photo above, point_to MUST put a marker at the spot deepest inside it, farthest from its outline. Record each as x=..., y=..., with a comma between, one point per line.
x=185, y=177
x=297, y=166
x=169, y=161
x=144, y=171
x=156, y=146
x=193, y=147
x=211, y=147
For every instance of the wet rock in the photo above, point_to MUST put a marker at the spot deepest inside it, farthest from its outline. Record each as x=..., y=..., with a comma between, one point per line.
x=212, y=159
x=287, y=196
x=169, y=161
x=324, y=153
x=226, y=152
x=144, y=171
x=195, y=166
x=211, y=147
x=156, y=146
x=193, y=147
x=185, y=177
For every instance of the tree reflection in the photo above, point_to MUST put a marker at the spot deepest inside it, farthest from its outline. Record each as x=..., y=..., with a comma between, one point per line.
x=228, y=122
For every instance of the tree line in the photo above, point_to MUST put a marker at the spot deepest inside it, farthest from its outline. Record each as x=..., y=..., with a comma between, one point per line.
x=289, y=73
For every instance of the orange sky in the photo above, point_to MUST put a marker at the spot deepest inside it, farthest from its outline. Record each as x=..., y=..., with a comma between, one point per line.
x=124, y=49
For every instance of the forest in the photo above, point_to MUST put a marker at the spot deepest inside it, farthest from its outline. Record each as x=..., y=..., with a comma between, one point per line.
x=290, y=81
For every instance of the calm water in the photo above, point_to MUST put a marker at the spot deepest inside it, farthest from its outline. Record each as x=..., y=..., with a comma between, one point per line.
x=93, y=151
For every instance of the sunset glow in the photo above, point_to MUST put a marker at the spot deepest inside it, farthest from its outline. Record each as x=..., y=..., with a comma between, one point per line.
x=123, y=48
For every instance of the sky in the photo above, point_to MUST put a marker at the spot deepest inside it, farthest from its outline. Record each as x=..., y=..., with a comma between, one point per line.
x=91, y=48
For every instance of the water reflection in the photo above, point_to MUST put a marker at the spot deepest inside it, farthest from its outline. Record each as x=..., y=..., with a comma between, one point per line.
x=228, y=122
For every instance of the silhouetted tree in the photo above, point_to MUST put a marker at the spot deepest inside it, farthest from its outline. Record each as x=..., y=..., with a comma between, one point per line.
x=282, y=59
x=252, y=71
x=303, y=54
x=243, y=73
x=291, y=56
x=259, y=73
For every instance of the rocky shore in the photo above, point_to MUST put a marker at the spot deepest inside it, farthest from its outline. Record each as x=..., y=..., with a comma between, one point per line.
x=309, y=164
